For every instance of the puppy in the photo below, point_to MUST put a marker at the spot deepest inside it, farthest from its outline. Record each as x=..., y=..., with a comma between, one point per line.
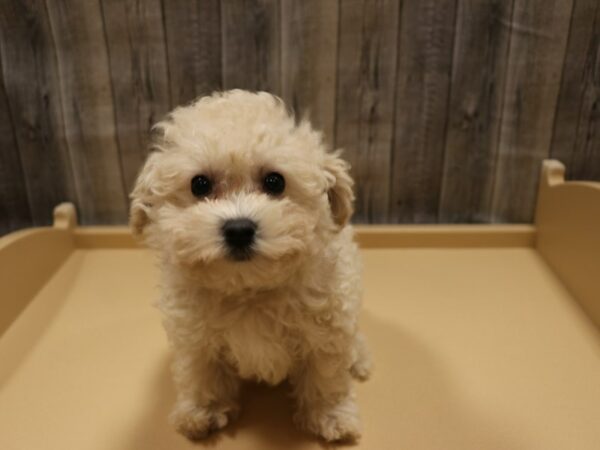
x=260, y=275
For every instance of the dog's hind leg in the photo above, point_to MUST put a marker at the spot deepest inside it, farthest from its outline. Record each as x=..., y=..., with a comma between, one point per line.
x=362, y=366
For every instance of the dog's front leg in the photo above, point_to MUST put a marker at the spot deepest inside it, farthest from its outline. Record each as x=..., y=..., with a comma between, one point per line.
x=207, y=391
x=326, y=404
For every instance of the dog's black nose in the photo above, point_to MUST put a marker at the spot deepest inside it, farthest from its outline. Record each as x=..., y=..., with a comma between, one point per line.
x=239, y=233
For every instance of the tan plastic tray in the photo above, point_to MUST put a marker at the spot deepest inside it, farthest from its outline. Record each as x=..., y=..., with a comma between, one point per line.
x=483, y=338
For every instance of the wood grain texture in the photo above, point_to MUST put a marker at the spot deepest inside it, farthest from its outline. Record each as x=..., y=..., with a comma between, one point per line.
x=14, y=204
x=88, y=110
x=365, y=100
x=193, y=34
x=139, y=77
x=309, y=45
x=576, y=139
x=423, y=85
x=251, y=45
x=539, y=30
x=478, y=75
x=445, y=108
x=28, y=54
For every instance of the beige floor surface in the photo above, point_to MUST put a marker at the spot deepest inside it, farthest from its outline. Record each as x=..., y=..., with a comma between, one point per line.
x=474, y=349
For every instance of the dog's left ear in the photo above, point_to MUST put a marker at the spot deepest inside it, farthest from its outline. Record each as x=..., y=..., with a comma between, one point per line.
x=339, y=191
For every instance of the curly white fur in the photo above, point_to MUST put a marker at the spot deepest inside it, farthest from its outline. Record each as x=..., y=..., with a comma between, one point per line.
x=288, y=312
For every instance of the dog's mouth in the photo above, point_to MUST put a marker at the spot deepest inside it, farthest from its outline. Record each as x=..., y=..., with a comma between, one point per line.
x=241, y=254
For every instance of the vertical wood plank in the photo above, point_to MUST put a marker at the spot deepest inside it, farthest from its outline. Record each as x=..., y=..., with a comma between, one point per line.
x=14, y=204
x=251, y=45
x=423, y=84
x=138, y=67
x=309, y=45
x=365, y=100
x=88, y=111
x=539, y=30
x=576, y=139
x=478, y=75
x=194, y=50
x=33, y=93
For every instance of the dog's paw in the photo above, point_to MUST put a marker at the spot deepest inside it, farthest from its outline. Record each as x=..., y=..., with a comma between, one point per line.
x=197, y=422
x=361, y=370
x=339, y=423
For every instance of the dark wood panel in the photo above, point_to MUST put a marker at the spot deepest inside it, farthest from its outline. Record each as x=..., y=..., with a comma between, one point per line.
x=138, y=67
x=33, y=93
x=365, y=100
x=14, y=204
x=251, y=45
x=576, y=140
x=193, y=34
x=88, y=110
x=309, y=43
x=423, y=82
x=539, y=30
x=478, y=75
x=445, y=108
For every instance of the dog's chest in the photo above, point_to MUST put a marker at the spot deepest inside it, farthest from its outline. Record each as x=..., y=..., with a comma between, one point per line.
x=259, y=346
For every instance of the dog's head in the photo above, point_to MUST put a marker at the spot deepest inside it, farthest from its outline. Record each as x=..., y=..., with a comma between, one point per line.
x=237, y=190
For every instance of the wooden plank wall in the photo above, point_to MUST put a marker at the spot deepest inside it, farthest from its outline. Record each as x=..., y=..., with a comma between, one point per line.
x=445, y=107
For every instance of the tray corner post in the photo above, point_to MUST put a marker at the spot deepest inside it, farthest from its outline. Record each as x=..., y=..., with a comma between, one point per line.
x=553, y=173
x=65, y=216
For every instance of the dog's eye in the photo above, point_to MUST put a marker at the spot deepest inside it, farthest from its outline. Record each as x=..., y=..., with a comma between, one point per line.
x=201, y=186
x=274, y=183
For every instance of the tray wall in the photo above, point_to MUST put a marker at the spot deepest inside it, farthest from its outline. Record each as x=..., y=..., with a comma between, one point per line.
x=568, y=234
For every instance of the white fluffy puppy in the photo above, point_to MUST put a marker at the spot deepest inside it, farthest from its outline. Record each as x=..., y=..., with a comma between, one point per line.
x=260, y=275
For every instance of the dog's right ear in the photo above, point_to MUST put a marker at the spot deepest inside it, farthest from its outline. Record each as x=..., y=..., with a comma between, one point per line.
x=141, y=197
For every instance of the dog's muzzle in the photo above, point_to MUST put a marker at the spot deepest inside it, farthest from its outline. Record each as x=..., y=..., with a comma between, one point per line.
x=239, y=236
